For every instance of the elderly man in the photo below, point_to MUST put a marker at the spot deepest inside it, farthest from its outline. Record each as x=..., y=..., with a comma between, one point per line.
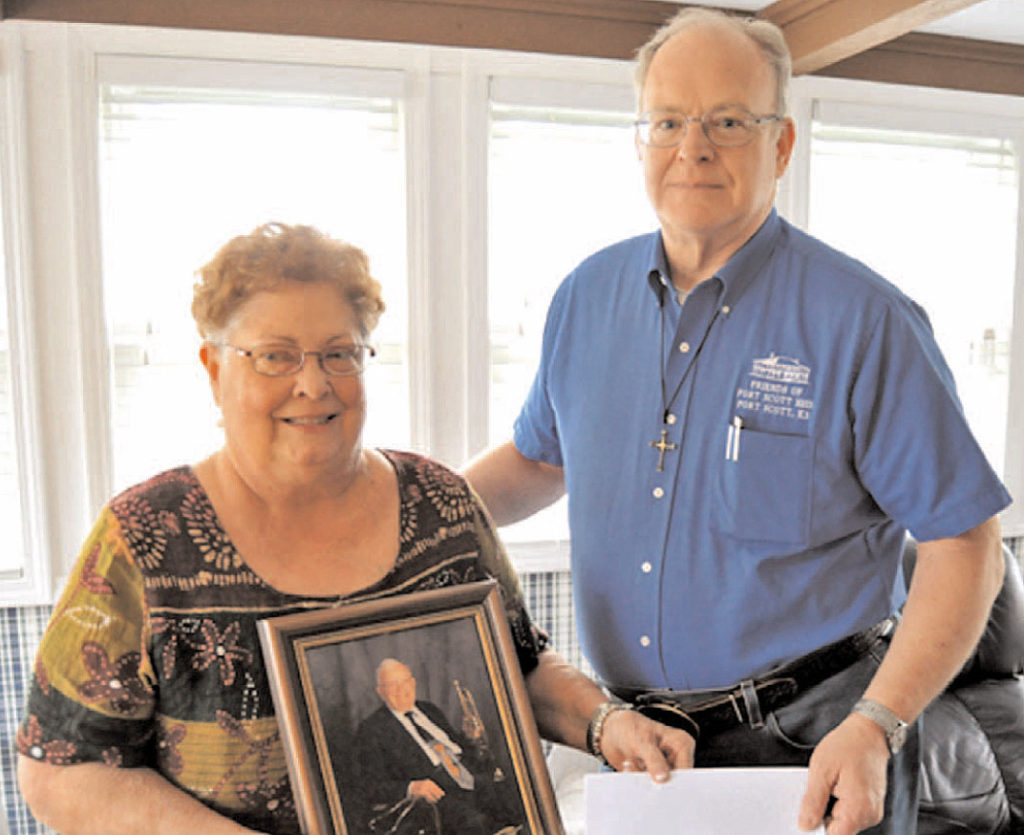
x=748, y=423
x=409, y=754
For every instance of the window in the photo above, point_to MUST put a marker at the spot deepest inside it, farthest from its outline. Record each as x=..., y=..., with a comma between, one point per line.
x=185, y=167
x=475, y=181
x=12, y=515
x=937, y=214
x=22, y=574
x=563, y=182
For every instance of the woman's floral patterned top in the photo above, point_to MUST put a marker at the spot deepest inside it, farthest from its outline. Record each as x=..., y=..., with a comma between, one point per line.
x=152, y=656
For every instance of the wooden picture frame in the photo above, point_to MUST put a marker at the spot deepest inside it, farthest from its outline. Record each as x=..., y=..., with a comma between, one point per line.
x=348, y=751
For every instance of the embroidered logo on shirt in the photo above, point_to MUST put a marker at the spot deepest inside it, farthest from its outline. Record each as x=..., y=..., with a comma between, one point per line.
x=783, y=369
x=776, y=385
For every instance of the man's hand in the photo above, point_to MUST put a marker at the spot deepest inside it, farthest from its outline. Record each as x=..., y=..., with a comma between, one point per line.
x=427, y=789
x=848, y=764
x=631, y=742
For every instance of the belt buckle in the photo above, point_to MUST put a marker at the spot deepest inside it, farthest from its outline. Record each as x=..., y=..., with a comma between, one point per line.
x=668, y=713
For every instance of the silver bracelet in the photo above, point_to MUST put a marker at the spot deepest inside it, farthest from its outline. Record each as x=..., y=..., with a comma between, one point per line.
x=596, y=728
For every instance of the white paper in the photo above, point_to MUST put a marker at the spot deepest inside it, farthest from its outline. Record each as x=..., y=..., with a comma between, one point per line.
x=698, y=801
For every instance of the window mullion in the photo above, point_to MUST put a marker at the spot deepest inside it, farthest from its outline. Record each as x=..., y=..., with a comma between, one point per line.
x=475, y=232
x=416, y=122
x=57, y=445
x=442, y=312
x=1013, y=517
x=30, y=583
x=83, y=154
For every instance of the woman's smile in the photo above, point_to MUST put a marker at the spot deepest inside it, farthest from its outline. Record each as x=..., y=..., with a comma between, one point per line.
x=309, y=420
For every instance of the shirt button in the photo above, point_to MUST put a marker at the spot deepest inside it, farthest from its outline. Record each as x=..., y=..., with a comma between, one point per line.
x=725, y=309
x=670, y=419
x=646, y=567
x=645, y=641
x=657, y=492
x=684, y=347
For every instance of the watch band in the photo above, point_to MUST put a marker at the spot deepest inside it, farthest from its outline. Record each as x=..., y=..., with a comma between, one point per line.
x=596, y=728
x=895, y=728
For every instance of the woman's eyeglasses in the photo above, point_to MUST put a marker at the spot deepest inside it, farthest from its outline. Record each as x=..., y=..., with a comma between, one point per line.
x=283, y=360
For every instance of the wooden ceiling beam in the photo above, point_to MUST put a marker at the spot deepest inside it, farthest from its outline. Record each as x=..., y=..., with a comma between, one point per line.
x=927, y=60
x=605, y=28
x=822, y=32
x=598, y=28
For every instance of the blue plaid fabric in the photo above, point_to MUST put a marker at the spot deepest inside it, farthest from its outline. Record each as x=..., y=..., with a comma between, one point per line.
x=22, y=628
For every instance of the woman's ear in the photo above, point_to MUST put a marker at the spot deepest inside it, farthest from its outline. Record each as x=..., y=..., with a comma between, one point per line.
x=209, y=356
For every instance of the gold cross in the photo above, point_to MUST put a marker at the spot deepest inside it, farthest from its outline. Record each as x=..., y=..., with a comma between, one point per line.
x=663, y=446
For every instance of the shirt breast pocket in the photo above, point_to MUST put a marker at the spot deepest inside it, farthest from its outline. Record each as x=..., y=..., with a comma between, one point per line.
x=766, y=486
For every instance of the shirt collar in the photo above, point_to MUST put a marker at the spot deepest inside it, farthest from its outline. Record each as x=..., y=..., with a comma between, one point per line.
x=404, y=714
x=657, y=268
x=737, y=273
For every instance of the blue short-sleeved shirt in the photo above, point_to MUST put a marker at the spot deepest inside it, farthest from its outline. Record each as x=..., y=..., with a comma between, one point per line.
x=811, y=421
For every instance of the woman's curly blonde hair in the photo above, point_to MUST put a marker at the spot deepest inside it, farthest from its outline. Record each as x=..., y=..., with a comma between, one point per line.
x=276, y=252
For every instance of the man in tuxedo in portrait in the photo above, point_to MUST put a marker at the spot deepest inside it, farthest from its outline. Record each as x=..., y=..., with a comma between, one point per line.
x=418, y=775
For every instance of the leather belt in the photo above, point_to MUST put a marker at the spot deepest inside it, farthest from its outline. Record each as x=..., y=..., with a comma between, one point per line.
x=713, y=711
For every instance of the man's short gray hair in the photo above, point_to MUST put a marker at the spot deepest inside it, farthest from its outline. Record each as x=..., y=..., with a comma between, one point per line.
x=767, y=37
x=387, y=664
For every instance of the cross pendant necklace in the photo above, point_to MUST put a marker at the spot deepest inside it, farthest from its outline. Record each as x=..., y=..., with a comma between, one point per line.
x=663, y=446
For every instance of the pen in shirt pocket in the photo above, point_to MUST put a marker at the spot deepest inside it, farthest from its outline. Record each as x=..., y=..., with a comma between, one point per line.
x=732, y=440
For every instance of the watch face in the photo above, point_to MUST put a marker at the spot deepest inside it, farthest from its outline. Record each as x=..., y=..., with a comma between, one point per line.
x=897, y=738
x=895, y=728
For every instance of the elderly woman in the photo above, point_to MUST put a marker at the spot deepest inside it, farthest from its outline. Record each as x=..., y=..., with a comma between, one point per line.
x=150, y=709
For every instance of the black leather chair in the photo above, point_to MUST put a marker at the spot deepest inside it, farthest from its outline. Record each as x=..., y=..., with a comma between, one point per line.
x=972, y=742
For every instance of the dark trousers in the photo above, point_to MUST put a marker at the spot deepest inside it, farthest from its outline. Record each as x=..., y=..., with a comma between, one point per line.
x=790, y=734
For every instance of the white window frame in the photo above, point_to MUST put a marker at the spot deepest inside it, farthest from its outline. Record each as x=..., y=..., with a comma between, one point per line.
x=49, y=151
x=35, y=581
x=55, y=107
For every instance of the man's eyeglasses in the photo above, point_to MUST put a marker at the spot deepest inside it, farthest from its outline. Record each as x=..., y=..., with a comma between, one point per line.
x=725, y=127
x=283, y=360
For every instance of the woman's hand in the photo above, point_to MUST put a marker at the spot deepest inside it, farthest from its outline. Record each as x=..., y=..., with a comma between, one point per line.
x=631, y=742
x=564, y=702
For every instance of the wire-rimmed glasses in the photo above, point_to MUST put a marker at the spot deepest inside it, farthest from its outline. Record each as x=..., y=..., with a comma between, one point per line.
x=283, y=360
x=725, y=127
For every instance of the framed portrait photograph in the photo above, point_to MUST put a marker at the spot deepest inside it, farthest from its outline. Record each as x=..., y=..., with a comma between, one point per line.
x=408, y=715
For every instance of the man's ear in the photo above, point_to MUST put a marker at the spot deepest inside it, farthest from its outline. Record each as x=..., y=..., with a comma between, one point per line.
x=639, y=147
x=209, y=356
x=784, y=146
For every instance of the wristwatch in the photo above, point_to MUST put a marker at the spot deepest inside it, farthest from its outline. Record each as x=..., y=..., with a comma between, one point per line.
x=595, y=729
x=894, y=727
